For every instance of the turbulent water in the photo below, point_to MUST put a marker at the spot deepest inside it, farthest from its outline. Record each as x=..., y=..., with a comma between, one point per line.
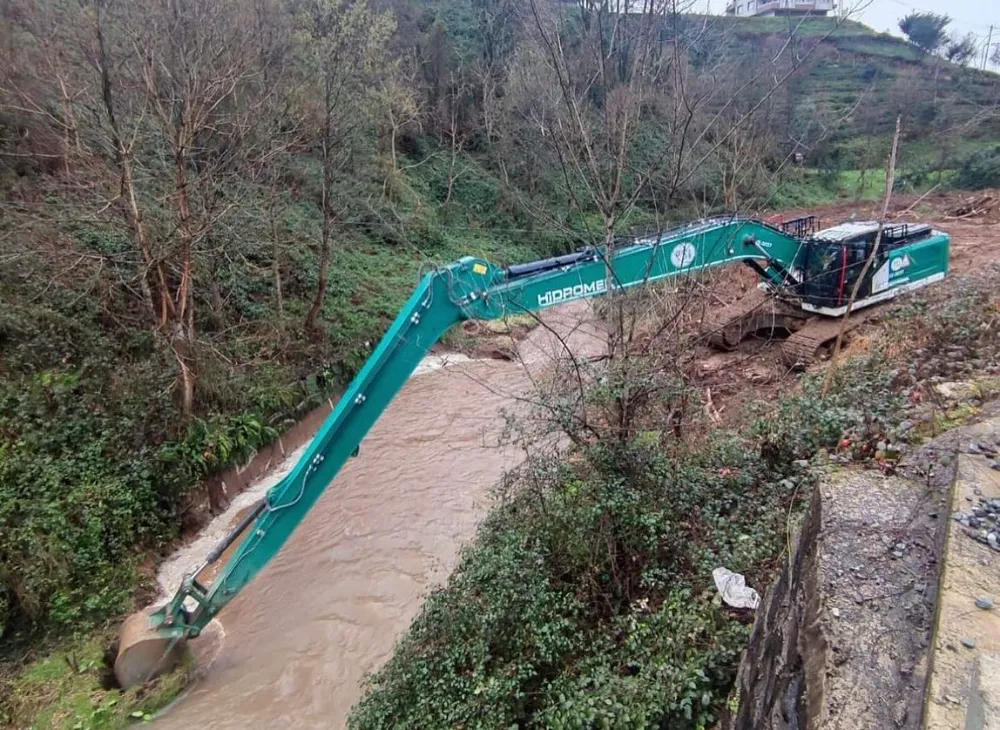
x=291, y=650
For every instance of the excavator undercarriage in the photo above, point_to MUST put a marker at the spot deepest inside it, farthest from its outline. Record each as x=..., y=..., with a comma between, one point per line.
x=803, y=338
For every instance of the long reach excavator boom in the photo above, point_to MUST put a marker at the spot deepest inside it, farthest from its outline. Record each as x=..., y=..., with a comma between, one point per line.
x=470, y=288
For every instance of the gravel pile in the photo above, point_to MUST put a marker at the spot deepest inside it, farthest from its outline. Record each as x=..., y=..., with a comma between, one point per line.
x=982, y=520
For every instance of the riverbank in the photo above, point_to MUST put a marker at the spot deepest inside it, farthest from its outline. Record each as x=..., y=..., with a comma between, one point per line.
x=46, y=692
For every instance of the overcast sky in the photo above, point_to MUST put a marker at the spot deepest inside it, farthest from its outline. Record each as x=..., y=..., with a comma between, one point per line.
x=968, y=16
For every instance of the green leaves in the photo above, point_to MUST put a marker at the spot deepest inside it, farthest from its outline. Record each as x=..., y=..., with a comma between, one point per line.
x=586, y=602
x=219, y=443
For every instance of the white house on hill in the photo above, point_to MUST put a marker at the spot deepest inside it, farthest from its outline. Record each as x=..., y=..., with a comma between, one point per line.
x=745, y=8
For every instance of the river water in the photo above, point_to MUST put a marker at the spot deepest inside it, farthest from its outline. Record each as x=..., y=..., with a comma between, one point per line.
x=292, y=649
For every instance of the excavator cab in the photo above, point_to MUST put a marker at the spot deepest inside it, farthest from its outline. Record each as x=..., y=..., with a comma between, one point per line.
x=908, y=256
x=831, y=270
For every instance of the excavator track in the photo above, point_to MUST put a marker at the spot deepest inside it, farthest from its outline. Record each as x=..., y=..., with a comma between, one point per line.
x=818, y=337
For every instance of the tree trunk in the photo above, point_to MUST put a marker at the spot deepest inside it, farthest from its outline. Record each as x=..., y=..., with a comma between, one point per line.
x=69, y=123
x=451, y=175
x=324, y=253
x=279, y=300
x=182, y=331
x=133, y=213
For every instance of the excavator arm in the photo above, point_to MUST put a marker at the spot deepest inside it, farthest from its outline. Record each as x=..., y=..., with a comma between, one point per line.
x=468, y=289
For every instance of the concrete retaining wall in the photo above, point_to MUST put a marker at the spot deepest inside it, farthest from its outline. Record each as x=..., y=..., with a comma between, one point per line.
x=213, y=495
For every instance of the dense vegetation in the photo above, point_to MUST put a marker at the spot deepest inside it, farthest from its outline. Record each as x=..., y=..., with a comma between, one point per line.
x=587, y=601
x=210, y=209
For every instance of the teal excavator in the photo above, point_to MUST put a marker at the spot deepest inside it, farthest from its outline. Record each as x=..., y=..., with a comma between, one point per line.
x=806, y=274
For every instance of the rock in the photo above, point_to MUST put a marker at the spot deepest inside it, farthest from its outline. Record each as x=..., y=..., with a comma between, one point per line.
x=897, y=553
x=787, y=484
x=899, y=713
x=974, y=523
x=801, y=463
x=995, y=466
x=968, y=643
x=906, y=426
x=920, y=587
x=836, y=613
x=985, y=603
x=957, y=391
x=901, y=546
x=947, y=459
x=881, y=446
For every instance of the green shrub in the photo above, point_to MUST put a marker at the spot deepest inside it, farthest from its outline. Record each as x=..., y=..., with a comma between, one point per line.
x=979, y=170
x=589, y=602
x=70, y=512
x=861, y=403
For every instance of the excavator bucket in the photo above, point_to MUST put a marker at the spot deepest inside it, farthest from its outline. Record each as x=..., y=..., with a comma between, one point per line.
x=144, y=654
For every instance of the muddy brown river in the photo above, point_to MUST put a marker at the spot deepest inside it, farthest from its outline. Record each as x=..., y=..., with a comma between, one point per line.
x=292, y=649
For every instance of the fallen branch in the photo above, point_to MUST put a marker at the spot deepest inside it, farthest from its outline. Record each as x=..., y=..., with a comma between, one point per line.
x=710, y=410
x=917, y=202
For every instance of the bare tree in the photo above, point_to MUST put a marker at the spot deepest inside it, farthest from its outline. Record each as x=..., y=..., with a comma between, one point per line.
x=195, y=61
x=341, y=48
x=398, y=110
x=43, y=74
x=458, y=92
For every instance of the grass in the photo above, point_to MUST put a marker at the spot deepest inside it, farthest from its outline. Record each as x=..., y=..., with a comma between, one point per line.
x=809, y=187
x=884, y=46
x=65, y=690
x=804, y=27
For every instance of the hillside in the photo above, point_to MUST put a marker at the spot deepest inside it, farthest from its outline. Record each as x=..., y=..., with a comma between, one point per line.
x=206, y=224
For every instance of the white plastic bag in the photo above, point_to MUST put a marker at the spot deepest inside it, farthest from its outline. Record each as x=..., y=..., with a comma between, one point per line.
x=734, y=589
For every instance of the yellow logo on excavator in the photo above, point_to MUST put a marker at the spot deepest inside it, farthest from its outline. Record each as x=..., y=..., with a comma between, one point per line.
x=479, y=268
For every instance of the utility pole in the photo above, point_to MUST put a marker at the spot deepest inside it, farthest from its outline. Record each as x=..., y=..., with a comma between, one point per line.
x=986, y=51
